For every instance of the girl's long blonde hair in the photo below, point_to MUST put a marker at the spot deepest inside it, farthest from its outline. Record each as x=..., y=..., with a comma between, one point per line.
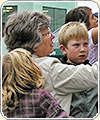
x=20, y=74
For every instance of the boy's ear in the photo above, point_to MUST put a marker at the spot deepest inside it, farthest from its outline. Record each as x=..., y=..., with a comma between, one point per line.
x=63, y=49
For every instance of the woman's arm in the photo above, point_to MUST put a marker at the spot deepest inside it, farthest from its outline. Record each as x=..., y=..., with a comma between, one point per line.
x=50, y=107
x=95, y=35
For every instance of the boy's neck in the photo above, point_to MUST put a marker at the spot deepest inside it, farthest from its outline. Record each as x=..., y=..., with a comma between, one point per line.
x=72, y=63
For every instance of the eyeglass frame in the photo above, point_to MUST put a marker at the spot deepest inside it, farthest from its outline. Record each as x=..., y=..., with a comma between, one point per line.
x=48, y=34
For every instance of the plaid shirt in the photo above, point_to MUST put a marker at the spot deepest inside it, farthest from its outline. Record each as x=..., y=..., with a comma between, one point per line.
x=37, y=104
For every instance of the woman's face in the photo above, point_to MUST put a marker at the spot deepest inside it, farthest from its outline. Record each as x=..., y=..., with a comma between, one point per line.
x=92, y=20
x=46, y=47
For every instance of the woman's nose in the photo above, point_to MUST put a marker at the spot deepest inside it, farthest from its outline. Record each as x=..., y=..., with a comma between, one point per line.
x=96, y=19
x=52, y=35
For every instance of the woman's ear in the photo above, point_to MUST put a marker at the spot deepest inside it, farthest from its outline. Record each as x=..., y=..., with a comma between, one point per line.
x=35, y=49
x=63, y=49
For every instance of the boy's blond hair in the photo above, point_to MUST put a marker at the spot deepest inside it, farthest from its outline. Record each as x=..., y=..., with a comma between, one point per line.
x=72, y=30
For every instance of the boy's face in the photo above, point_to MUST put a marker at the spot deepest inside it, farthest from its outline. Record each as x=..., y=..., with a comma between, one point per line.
x=77, y=51
x=92, y=20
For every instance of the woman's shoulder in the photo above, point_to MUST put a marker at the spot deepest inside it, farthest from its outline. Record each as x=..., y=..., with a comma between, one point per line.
x=44, y=94
x=39, y=91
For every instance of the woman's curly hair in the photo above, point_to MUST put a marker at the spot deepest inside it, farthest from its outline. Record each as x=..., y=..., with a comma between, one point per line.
x=23, y=30
x=20, y=74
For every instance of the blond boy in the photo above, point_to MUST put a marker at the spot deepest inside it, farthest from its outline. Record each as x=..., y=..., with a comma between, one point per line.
x=73, y=40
